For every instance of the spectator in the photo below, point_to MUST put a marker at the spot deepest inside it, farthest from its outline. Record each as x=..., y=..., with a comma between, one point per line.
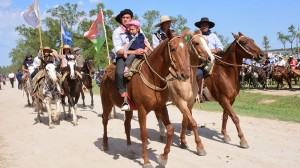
x=11, y=76
x=19, y=78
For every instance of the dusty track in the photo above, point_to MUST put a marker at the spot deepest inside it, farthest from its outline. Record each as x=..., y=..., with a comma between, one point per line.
x=24, y=144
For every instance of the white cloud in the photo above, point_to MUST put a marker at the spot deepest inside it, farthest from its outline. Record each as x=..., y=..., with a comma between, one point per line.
x=94, y=1
x=80, y=3
x=5, y=3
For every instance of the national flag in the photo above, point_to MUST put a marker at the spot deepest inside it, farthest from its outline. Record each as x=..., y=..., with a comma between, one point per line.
x=96, y=32
x=66, y=35
x=30, y=15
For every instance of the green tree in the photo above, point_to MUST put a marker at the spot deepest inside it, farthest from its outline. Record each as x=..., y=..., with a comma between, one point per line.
x=266, y=43
x=149, y=17
x=224, y=40
x=291, y=37
x=282, y=38
x=179, y=25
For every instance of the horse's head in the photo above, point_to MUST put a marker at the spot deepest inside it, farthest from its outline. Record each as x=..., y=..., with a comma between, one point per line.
x=89, y=63
x=249, y=47
x=198, y=45
x=71, y=68
x=51, y=72
x=178, y=55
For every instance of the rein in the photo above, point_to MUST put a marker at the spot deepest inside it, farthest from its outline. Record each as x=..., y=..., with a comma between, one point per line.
x=193, y=47
x=146, y=82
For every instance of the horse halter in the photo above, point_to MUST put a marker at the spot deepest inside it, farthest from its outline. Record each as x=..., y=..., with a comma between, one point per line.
x=237, y=41
x=195, y=50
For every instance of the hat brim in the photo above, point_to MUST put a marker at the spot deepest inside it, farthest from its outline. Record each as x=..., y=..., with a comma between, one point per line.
x=211, y=24
x=50, y=51
x=158, y=24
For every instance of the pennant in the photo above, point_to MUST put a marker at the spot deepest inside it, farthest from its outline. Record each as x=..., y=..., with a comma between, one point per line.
x=66, y=35
x=30, y=15
x=96, y=33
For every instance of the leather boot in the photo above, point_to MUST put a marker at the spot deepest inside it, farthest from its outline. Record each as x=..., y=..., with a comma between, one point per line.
x=200, y=86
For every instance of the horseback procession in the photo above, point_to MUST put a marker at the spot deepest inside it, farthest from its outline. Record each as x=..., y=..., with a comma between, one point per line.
x=185, y=68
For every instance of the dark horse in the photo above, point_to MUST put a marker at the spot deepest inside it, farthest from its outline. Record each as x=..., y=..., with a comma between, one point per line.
x=148, y=91
x=88, y=70
x=280, y=73
x=72, y=87
x=223, y=84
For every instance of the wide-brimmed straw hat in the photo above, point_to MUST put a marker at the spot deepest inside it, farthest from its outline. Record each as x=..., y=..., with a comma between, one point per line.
x=280, y=56
x=118, y=18
x=133, y=23
x=76, y=49
x=205, y=20
x=164, y=19
x=47, y=49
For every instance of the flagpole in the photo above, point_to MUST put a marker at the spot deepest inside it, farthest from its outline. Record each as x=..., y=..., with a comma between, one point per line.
x=297, y=40
x=61, y=40
x=105, y=35
x=40, y=31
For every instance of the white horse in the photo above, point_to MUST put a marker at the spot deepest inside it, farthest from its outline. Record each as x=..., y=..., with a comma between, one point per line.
x=48, y=89
x=27, y=86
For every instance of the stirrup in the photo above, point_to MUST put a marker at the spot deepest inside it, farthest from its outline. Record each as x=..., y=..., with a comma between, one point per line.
x=125, y=107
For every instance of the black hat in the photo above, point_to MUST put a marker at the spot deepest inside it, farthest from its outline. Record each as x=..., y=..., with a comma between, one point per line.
x=28, y=55
x=203, y=20
x=122, y=13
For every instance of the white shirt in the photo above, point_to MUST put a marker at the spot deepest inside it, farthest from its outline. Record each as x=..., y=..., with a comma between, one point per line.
x=36, y=62
x=155, y=40
x=281, y=62
x=11, y=75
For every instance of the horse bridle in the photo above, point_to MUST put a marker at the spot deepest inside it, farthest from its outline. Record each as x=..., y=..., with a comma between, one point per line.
x=88, y=64
x=195, y=50
x=164, y=80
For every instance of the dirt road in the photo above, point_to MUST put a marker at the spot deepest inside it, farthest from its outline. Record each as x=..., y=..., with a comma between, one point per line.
x=25, y=144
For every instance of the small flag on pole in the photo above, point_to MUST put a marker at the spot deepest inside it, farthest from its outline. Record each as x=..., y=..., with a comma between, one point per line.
x=66, y=35
x=96, y=32
x=30, y=15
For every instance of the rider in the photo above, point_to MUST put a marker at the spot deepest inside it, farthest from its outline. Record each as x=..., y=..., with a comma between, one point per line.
x=118, y=38
x=292, y=62
x=26, y=63
x=137, y=40
x=79, y=63
x=160, y=35
x=281, y=62
x=214, y=45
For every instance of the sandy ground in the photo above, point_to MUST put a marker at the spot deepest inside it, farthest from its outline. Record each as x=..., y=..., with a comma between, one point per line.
x=25, y=144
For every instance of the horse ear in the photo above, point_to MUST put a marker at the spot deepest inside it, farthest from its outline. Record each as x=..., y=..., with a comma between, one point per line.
x=184, y=33
x=235, y=36
x=198, y=31
x=240, y=34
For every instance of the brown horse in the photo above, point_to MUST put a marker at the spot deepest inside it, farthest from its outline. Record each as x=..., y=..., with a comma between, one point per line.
x=280, y=73
x=148, y=92
x=183, y=93
x=88, y=70
x=223, y=84
x=72, y=87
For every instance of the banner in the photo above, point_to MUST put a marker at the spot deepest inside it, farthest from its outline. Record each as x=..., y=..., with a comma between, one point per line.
x=66, y=35
x=96, y=32
x=30, y=15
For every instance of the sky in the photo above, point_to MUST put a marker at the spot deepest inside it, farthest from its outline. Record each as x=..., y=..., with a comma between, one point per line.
x=254, y=18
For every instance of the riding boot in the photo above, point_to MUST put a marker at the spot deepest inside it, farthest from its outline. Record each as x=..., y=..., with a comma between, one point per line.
x=200, y=86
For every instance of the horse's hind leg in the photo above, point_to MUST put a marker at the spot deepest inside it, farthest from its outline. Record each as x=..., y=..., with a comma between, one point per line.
x=107, y=106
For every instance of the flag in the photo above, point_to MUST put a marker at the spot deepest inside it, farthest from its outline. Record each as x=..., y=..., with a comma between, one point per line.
x=96, y=33
x=30, y=15
x=66, y=35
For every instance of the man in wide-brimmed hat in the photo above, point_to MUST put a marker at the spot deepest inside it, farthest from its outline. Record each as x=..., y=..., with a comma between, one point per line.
x=160, y=35
x=281, y=61
x=214, y=45
x=118, y=38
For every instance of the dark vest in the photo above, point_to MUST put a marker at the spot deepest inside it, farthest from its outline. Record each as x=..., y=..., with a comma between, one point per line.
x=161, y=36
x=139, y=41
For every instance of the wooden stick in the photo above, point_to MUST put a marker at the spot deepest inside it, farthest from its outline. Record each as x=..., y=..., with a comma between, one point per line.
x=105, y=35
x=40, y=31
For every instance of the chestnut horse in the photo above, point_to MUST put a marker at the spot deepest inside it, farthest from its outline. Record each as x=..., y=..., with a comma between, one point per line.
x=223, y=84
x=280, y=73
x=183, y=93
x=89, y=70
x=148, y=91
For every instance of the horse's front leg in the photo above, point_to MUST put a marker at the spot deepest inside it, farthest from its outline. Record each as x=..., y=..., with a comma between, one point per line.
x=74, y=110
x=47, y=101
x=83, y=98
x=92, y=97
x=163, y=158
x=142, y=114
x=106, y=106
x=229, y=110
x=226, y=137
x=127, y=125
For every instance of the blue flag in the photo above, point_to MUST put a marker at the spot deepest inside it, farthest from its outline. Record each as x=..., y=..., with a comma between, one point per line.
x=66, y=35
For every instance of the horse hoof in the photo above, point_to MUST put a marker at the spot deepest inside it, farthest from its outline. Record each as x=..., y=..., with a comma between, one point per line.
x=104, y=148
x=130, y=154
x=183, y=146
x=51, y=127
x=162, y=138
x=226, y=139
x=244, y=144
x=75, y=124
x=147, y=165
x=162, y=161
x=201, y=152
